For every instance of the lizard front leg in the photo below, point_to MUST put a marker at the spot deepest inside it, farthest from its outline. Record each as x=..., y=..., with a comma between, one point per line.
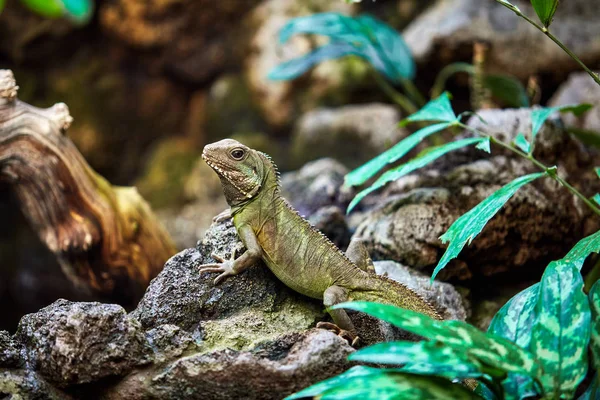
x=233, y=266
x=343, y=325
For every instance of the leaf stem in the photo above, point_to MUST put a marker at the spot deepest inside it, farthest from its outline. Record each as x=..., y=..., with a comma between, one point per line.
x=550, y=171
x=404, y=102
x=546, y=32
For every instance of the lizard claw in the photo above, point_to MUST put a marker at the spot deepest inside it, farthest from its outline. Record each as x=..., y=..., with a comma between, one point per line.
x=223, y=216
x=224, y=266
x=352, y=339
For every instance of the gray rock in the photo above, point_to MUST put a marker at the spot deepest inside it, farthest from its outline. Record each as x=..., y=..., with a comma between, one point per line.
x=9, y=352
x=332, y=222
x=315, y=185
x=271, y=371
x=73, y=343
x=446, y=299
x=351, y=134
x=539, y=224
x=24, y=384
x=578, y=89
x=441, y=34
x=169, y=342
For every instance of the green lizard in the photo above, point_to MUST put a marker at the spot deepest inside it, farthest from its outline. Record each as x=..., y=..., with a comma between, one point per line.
x=296, y=252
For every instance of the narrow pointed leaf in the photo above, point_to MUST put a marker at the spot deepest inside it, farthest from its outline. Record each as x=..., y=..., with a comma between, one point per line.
x=484, y=145
x=540, y=115
x=596, y=198
x=423, y=358
x=327, y=24
x=597, y=169
x=297, y=66
x=583, y=248
x=368, y=170
x=437, y=110
x=561, y=332
x=2, y=2
x=508, y=89
x=522, y=143
x=487, y=348
x=330, y=383
x=594, y=297
x=514, y=321
x=46, y=8
x=545, y=10
x=420, y=161
x=469, y=225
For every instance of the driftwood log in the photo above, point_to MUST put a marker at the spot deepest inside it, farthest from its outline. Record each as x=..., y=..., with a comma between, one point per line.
x=106, y=239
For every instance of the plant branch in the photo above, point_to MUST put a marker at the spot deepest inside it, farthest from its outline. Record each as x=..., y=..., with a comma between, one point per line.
x=550, y=171
x=546, y=32
x=404, y=102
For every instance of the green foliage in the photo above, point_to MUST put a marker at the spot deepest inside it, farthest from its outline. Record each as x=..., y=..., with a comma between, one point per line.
x=545, y=10
x=363, y=36
x=597, y=169
x=594, y=297
x=437, y=110
x=469, y=225
x=540, y=115
x=596, y=198
x=522, y=143
x=514, y=321
x=79, y=10
x=581, y=250
x=426, y=157
x=423, y=358
x=2, y=2
x=593, y=391
x=46, y=8
x=366, y=171
x=364, y=383
x=508, y=89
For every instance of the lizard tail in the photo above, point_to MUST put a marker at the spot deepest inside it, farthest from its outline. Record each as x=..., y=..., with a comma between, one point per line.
x=384, y=290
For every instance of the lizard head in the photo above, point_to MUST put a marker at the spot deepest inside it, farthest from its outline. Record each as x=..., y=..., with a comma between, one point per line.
x=242, y=170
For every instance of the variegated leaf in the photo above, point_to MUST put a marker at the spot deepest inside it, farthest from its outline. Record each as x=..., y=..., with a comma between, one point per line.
x=583, y=248
x=594, y=297
x=561, y=332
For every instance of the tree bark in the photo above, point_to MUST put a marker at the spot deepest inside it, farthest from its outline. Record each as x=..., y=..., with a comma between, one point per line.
x=106, y=239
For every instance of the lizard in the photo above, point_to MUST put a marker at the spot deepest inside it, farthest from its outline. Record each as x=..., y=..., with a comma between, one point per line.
x=298, y=254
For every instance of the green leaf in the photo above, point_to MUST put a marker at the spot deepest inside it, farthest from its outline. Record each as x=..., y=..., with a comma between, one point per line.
x=420, y=161
x=46, y=8
x=522, y=143
x=561, y=332
x=596, y=198
x=369, y=169
x=469, y=225
x=488, y=349
x=78, y=10
x=508, y=89
x=365, y=383
x=509, y=5
x=363, y=36
x=2, y=2
x=594, y=297
x=484, y=145
x=484, y=392
x=297, y=66
x=545, y=10
x=581, y=250
x=423, y=358
x=597, y=169
x=540, y=115
x=437, y=110
x=514, y=321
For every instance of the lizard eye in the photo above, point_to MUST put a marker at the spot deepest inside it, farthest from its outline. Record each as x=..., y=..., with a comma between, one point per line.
x=237, y=154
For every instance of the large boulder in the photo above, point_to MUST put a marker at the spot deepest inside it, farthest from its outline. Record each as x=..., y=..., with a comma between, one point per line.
x=540, y=223
x=580, y=88
x=73, y=343
x=442, y=34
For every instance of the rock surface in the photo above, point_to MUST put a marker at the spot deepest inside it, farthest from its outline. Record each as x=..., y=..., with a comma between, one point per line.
x=443, y=32
x=74, y=343
x=579, y=89
x=350, y=134
x=539, y=224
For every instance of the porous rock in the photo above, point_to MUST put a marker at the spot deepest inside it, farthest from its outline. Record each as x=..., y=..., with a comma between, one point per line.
x=540, y=223
x=442, y=34
x=17, y=384
x=9, y=351
x=448, y=301
x=579, y=89
x=72, y=343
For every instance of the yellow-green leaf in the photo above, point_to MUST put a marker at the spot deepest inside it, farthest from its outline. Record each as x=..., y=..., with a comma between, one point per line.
x=545, y=10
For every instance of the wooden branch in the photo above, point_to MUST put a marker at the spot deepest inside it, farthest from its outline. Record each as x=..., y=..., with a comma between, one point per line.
x=106, y=239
